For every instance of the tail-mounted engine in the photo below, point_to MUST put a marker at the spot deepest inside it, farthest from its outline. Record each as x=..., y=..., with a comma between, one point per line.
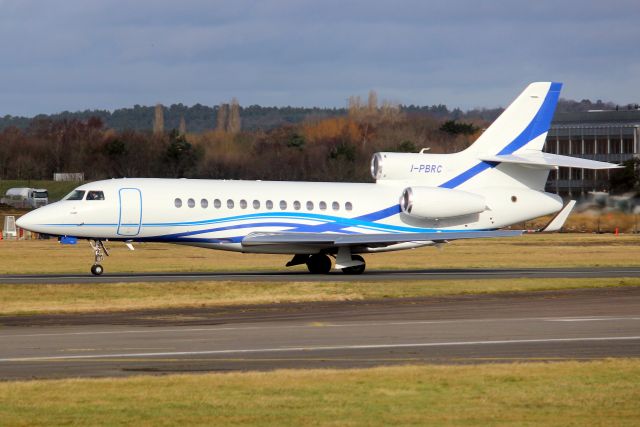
x=438, y=203
x=405, y=166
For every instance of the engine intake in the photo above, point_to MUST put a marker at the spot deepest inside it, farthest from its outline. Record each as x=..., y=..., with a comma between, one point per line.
x=436, y=203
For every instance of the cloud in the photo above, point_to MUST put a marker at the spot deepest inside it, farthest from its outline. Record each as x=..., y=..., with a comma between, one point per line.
x=108, y=54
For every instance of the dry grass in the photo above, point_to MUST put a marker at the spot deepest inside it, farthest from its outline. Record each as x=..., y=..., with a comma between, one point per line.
x=31, y=299
x=592, y=221
x=529, y=251
x=554, y=250
x=598, y=393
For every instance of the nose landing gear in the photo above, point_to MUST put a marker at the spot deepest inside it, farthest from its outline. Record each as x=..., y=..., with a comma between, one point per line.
x=100, y=251
x=97, y=269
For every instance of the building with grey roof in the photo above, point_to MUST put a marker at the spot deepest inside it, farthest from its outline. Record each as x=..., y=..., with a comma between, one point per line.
x=609, y=136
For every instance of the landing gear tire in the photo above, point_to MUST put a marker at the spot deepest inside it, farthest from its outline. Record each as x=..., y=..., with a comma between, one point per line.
x=319, y=264
x=358, y=269
x=100, y=251
x=97, y=269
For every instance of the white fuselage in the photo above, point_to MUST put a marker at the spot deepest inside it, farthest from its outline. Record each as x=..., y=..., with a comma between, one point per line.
x=218, y=213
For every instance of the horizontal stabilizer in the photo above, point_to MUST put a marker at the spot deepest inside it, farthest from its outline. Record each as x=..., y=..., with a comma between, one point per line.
x=550, y=161
x=333, y=240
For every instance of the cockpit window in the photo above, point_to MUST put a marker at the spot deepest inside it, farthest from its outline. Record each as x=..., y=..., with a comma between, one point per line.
x=75, y=195
x=95, y=195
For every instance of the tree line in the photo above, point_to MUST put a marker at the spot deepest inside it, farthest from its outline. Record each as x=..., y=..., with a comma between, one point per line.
x=333, y=145
x=202, y=118
x=335, y=148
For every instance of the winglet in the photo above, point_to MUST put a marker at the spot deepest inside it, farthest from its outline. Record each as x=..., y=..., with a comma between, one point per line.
x=558, y=221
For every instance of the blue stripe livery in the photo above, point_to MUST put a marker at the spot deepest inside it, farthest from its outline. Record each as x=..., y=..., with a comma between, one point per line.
x=538, y=125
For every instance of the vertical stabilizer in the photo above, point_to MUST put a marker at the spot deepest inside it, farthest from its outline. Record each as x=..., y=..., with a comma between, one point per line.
x=524, y=124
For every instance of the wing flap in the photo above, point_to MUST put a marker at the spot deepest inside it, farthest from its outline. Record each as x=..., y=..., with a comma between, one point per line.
x=547, y=160
x=331, y=240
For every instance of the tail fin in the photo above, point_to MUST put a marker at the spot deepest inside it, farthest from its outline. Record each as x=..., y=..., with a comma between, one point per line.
x=524, y=124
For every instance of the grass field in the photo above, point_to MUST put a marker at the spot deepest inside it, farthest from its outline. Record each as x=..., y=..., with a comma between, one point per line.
x=594, y=393
x=82, y=298
x=35, y=257
x=598, y=393
x=553, y=250
x=57, y=190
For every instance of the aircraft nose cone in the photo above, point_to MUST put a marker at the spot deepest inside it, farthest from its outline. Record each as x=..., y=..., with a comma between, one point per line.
x=23, y=222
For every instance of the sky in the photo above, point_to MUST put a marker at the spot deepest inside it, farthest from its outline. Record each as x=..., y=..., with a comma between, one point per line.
x=93, y=54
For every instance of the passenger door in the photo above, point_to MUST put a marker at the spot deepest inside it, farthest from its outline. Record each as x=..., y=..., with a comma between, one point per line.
x=130, y=217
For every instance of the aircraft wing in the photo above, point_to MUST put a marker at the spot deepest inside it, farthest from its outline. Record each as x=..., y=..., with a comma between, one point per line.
x=333, y=240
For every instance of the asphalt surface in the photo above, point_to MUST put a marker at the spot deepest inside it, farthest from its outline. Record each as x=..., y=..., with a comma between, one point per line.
x=381, y=275
x=552, y=325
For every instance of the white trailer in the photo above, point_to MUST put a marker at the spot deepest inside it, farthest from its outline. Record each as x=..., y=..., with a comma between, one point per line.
x=26, y=197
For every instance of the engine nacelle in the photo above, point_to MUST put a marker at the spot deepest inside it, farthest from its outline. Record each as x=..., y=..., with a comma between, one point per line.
x=404, y=166
x=436, y=203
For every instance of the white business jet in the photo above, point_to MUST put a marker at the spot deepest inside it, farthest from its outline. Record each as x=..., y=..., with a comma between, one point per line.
x=418, y=199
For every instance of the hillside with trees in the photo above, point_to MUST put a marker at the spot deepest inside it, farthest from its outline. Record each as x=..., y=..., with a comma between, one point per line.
x=320, y=146
x=201, y=118
x=233, y=142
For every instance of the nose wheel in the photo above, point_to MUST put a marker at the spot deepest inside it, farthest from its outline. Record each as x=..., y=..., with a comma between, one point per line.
x=100, y=251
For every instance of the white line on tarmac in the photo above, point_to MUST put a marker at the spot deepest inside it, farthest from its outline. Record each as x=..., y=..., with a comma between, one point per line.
x=318, y=324
x=315, y=348
x=590, y=319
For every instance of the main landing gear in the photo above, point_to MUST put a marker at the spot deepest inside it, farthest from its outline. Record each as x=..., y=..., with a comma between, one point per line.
x=321, y=263
x=100, y=251
x=356, y=269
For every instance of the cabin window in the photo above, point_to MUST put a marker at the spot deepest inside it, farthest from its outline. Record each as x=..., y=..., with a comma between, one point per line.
x=296, y=205
x=243, y=204
x=348, y=206
x=204, y=203
x=283, y=205
x=75, y=195
x=269, y=204
x=178, y=202
x=335, y=206
x=256, y=204
x=309, y=206
x=322, y=206
x=191, y=203
x=230, y=204
x=95, y=195
x=217, y=203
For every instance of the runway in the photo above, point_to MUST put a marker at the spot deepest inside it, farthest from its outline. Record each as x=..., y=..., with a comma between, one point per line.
x=374, y=275
x=552, y=325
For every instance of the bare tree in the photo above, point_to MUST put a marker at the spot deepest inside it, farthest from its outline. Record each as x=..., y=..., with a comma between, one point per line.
x=390, y=111
x=182, y=129
x=234, y=125
x=372, y=102
x=158, y=122
x=221, y=119
x=355, y=107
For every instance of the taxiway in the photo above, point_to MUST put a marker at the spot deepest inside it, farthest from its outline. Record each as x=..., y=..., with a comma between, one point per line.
x=297, y=276
x=551, y=325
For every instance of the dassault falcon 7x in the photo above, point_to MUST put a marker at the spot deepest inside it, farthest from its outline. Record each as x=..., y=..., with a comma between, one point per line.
x=418, y=199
